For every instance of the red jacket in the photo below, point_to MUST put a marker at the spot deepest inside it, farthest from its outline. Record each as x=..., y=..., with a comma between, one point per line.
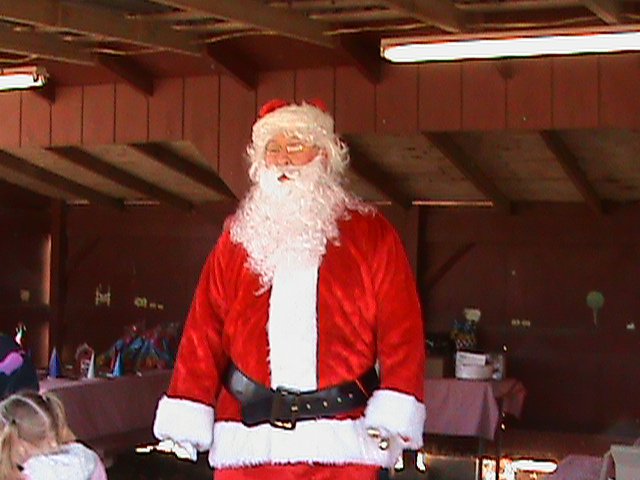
x=367, y=311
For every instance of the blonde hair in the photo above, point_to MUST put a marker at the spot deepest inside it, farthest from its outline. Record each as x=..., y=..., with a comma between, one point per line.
x=32, y=417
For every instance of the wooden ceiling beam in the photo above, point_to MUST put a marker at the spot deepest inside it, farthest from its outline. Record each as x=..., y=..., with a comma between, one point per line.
x=440, y=13
x=26, y=168
x=366, y=58
x=198, y=173
x=282, y=21
x=234, y=66
x=445, y=143
x=91, y=162
x=129, y=72
x=100, y=22
x=371, y=173
x=571, y=166
x=43, y=45
x=607, y=10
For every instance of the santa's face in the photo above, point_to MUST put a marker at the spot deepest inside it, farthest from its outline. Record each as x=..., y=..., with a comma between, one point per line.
x=292, y=208
x=283, y=150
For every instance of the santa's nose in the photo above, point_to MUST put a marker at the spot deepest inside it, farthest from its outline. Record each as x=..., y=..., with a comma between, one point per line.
x=281, y=159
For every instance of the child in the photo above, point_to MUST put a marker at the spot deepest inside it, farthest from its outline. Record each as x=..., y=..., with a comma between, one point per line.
x=37, y=444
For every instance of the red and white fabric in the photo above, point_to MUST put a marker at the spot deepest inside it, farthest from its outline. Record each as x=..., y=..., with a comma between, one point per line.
x=315, y=328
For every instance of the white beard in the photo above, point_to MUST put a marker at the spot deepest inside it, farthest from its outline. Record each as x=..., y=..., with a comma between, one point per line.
x=288, y=223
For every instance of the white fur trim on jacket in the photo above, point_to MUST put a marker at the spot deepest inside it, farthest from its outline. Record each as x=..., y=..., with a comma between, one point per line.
x=184, y=421
x=324, y=441
x=397, y=414
x=292, y=327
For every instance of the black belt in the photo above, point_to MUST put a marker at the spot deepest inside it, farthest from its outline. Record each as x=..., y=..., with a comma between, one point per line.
x=283, y=407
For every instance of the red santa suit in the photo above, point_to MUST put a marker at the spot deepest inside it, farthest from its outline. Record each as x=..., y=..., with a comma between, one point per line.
x=315, y=327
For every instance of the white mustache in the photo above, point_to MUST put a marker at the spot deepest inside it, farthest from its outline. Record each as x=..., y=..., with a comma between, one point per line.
x=293, y=172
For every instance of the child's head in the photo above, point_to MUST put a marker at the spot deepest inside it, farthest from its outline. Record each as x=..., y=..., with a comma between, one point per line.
x=30, y=424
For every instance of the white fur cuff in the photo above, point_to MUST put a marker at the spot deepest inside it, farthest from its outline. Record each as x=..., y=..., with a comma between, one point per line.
x=398, y=414
x=184, y=421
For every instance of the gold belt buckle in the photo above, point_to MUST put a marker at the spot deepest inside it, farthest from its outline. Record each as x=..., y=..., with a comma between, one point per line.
x=284, y=408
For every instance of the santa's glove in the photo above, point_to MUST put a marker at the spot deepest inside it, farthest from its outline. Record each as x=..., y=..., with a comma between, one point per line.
x=395, y=419
x=184, y=451
x=183, y=427
x=385, y=438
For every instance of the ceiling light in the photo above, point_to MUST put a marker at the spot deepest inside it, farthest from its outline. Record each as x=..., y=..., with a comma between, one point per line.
x=19, y=78
x=503, y=45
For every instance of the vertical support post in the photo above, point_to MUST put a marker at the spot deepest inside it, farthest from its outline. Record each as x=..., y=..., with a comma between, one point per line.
x=58, y=273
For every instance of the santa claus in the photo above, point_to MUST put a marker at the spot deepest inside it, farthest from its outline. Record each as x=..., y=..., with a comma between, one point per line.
x=302, y=356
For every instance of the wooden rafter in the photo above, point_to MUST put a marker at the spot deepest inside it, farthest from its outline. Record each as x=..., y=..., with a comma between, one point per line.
x=468, y=167
x=607, y=10
x=128, y=71
x=371, y=173
x=90, y=162
x=234, y=66
x=253, y=12
x=100, y=22
x=43, y=175
x=198, y=173
x=281, y=21
x=441, y=13
x=571, y=166
x=431, y=280
x=366, y=58
x=42, y=45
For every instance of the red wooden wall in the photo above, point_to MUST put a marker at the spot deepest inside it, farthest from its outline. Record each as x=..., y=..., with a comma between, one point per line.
x=539, y=266
x=216, y=113
x=157, y=254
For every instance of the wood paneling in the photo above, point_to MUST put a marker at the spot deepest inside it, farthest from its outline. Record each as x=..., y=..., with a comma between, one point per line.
x=10, y=112
x=202, y=115
x=166, y=110
x=355, y=102
x=132, y=115
x=440, y=96
x=483, y=96
x=36, y=121
x=275, y=85
x=66, y=116
x=619, y=99
x=316, y=83
x=397, y=100
x=575, y=92
x=98, y=114
x=528, y=107
x=237, y=115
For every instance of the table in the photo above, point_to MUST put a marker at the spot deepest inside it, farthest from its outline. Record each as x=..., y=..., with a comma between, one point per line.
x=469, y=407
x=111, y=413
x=472, y=408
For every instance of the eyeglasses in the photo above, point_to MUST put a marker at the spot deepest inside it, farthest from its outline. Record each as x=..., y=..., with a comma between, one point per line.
x=295, y=148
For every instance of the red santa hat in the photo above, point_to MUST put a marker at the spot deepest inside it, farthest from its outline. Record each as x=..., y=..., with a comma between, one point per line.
x=310, y=121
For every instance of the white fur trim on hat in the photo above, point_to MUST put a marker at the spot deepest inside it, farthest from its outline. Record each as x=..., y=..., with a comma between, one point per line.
x=304, y=120
x=398, y=414
x=184, y=421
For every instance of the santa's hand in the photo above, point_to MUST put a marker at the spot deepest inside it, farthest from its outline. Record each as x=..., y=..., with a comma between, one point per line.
x=184, y=451
x=381, y=435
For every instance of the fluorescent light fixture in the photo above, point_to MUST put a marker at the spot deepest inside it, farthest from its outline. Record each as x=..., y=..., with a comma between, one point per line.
x=425, y=49
x=20, y=78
